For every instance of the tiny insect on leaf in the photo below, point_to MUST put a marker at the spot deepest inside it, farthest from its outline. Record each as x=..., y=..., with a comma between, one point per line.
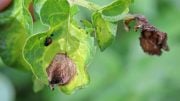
x=48, y=41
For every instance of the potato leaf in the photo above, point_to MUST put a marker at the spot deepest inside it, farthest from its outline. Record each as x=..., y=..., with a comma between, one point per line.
x=116, y=11
x=16, y=26
x=105, y=31
x=65, y=38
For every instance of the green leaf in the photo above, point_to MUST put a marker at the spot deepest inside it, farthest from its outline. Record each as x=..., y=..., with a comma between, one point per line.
x=66, y=38
x=38, y=27
x=11, y=44
x=87, y=24
x=105, y=31
x=116, y=11
x=74, y=10
x=53, y=15
x=88, y=27
x=15, y=28
x=21, y=13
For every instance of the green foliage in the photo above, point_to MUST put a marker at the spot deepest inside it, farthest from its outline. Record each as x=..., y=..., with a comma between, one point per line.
x=23, y=42
x=116, y=11
x=104, y=31
x=14, y=33
x=120, y=73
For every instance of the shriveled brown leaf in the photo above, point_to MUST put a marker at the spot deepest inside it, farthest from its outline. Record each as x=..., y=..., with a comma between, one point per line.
x=152, y=40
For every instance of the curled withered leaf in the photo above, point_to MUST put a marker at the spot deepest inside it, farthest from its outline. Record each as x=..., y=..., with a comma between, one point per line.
x=152, y=40
x=61, y=70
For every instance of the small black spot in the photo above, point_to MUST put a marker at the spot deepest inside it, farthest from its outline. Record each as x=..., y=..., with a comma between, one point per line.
x=48, y=41
x=56, y=80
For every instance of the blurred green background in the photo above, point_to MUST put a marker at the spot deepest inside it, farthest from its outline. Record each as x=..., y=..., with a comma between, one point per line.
x=123, y=72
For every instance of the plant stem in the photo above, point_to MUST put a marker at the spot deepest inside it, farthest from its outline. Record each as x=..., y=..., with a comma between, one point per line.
x=89, y=5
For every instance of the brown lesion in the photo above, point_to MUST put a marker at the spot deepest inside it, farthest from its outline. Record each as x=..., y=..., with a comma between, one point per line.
x=152, y=40
x=61, y=70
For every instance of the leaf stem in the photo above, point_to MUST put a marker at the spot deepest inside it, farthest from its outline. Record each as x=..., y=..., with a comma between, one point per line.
x=89, y=5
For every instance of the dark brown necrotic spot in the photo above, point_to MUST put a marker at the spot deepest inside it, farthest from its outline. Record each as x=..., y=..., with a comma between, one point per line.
x=4, y=4
x=47, y=41
x=61, y=70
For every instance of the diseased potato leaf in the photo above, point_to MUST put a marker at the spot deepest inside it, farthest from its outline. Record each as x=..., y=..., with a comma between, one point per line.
x=33, y=32
x=66, y=38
